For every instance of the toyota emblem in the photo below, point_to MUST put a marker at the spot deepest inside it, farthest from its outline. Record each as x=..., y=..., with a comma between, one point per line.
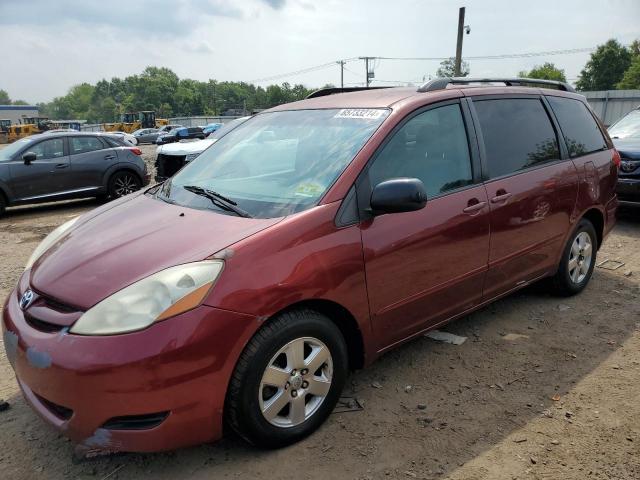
x=26, y=299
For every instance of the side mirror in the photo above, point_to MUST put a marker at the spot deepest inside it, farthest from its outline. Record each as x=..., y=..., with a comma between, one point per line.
x=29, y=157
x=398, y=195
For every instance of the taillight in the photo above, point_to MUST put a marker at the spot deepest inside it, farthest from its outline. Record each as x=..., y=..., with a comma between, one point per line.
x=137, y=151
x=616, y=158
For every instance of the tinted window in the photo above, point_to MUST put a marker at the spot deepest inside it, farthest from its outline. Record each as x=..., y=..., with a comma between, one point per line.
x=48, y=149
x=433, y=147
x=578, y=126
x=517, y=134
x=85, y=144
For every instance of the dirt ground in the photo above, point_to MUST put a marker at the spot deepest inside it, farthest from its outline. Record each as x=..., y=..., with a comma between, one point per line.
x=559, y=399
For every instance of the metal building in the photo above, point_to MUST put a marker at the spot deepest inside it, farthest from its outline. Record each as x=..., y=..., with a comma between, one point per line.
x=16, y=112
x=612, y=105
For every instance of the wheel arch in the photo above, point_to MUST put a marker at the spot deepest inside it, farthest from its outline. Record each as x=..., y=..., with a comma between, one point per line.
x=121, y=167
x=596, y=217
x=341, y=318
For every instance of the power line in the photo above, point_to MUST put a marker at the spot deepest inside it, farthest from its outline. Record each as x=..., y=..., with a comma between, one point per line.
x=299, y=72
x=377, y=60
x=499, y=57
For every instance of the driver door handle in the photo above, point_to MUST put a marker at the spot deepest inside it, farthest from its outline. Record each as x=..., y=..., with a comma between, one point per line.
x=62, y=165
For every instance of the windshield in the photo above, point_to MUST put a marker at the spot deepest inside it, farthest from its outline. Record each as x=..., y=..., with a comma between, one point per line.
x=627, y=127
x=227, y=127
x=276, y=163
x=7, y=152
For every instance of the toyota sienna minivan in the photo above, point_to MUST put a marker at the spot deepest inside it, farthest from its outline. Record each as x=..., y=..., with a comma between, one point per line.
x=307, y=242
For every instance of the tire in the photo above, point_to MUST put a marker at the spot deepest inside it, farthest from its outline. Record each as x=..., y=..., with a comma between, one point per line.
x=576, y=266
x=3, y=204
x=302, y=401
x=123, y=183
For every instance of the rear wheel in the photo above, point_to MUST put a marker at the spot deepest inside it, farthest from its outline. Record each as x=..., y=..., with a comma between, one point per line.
x=123, y=183
x=578, y=260
x=288, y=379
x=3, y=204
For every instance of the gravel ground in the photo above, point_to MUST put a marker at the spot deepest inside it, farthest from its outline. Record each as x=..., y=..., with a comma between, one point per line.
x=543, y=388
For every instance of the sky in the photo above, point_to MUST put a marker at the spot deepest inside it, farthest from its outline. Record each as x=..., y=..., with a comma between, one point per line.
x=49, y=46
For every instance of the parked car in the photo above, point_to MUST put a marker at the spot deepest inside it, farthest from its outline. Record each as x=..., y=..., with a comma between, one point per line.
x=210, y=128
x=146, y=135
x=165, y=129
x=173, y=156
x=306, y=242
x=625, y=134
x=60, y=166
x=178, y=134
x=127, y=138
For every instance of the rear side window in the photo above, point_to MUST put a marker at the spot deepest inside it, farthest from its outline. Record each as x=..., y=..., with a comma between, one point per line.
x=85, y=144
x=517, y=134
x=580, y=130
x=432, y=147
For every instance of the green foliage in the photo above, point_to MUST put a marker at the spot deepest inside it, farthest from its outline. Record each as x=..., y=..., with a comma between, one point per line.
x=605, y=68
x=161, y=90
x=448, y=68
x=546, y=71
x=631, y=78
x=4, y=98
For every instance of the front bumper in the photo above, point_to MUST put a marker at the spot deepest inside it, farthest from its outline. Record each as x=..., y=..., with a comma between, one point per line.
x=178, y=368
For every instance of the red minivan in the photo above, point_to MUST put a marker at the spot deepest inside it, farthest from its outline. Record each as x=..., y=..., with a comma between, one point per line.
x=303, y=244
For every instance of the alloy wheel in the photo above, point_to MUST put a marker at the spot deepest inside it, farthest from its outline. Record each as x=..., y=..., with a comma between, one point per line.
x=124, y=185
x=580, y=257
x=295, y=382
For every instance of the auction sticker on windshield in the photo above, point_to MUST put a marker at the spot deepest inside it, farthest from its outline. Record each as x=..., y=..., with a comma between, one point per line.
x=366, y=113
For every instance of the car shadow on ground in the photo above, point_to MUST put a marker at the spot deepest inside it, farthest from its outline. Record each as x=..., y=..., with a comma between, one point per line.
x=24, y=212
x=427, y=406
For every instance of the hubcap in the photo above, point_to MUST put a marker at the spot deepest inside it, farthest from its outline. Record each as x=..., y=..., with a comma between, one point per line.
x=125, y=185
x=295, y=382
x=580, y=257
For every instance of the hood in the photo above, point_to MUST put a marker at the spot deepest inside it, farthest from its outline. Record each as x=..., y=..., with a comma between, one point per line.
x=628, y=147
x=112, y=248
x=185, y=148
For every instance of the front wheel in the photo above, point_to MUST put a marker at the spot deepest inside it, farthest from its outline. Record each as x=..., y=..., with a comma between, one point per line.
x=578, y=260
x=123, y=183
x=288, y=379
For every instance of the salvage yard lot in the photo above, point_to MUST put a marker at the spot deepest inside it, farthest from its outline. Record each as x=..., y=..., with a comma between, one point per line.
x=559, y=399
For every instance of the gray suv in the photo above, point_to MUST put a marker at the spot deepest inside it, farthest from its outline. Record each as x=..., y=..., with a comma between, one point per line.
x=60, y=166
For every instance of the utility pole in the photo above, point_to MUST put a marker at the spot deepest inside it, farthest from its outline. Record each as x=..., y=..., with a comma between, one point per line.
x=368, y=75
x=459, y=44
x=341, y=63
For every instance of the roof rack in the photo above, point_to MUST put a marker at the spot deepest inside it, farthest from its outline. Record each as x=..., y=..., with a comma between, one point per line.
x=442, y=83
x=323, y=92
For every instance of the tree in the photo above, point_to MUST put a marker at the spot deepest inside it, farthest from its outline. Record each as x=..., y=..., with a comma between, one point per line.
x=4, y=98
x=605, y=68
x=546, y=71
x=448, y=68
x=19, y=102
x=631, y=78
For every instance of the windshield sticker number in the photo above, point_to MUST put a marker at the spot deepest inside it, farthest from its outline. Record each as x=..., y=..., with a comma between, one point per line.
x=362, y=113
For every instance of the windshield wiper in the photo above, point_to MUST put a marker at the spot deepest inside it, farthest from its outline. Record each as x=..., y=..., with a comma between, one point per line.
x=219, y=200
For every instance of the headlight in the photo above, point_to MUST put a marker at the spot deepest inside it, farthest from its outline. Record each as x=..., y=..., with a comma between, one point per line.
x=159, y=296
x=49, y=240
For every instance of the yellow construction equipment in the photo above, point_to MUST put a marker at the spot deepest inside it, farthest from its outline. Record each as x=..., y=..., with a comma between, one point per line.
x=132, y=121
x=28, y=126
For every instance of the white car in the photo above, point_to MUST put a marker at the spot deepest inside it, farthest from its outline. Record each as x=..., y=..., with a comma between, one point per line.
x=171, y=157
x=126, y=137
